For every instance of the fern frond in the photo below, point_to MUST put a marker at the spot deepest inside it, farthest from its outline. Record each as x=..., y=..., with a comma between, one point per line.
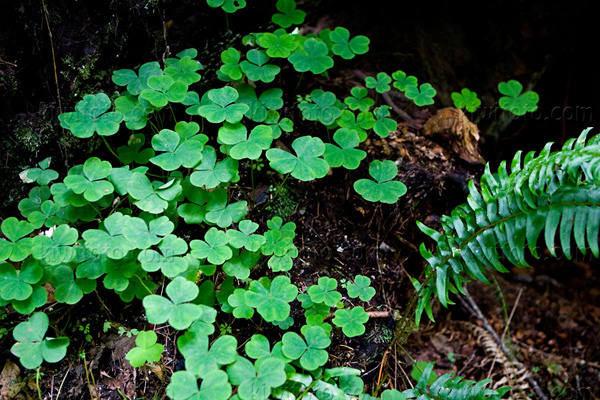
x=554, y=193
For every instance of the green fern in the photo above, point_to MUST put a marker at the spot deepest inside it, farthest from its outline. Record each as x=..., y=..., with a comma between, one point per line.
x=553, y=192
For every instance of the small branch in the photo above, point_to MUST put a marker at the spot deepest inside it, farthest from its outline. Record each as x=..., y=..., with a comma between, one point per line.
x=472, y=307
x=8, y=63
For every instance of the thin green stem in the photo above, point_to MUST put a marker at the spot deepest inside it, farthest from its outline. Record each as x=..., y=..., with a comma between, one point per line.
x=276, y=191
x=109, y=147
x=252, y=181
x=173, y=113
x=37, y=382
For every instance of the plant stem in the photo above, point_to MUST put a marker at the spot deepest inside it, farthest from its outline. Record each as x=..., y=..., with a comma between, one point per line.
x=37, y=382
x=276, y=191
x=109, y=148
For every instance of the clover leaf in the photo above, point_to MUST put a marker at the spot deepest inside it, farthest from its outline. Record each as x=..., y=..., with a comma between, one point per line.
x=351, y=321
x=277, y=125
x=176, y=310
x=42, y=174
x=402, y=81
x=271, y=299
x=152, y=197
x=33, y=347
x=91, y=115
x=345, y=47
x=359, y=100
x=346, y=155
x=323, y=109
x=214, y=247
x=310, y=350
x=245, y=236
x=137, y=82
x=381, y=83
x=306, y=164
x=135, y=110
x=110, y=240
x=200, y=359
x=177, y=151
x=231, y=64
x=57, y=248
x=466, y=99
x=184, y=386
x=324, y=292
x=237, y=300
x=209, y=174
x=313, y=58
x=222, y=106
x=514, y=100
x=229, y=6
x=393, y=394
x=258, y=107
x=169, y=260
x=164, y=89
x=360, y=288
x=218, y=211
x=18, y=246
x=67, y=289
x=92, y=183
x=255, y=383
x=16, y=284
x=146, y=350
x=256, y=68
x=278, y=44
x=145, y=235
x=288, y=14
x=422, y=96
x=36, y=196
x=244, y=145
x=133, y=152
x=360, y=123
x=184, y=70
x=194, y=212
x=383, y=125
x=383, y=188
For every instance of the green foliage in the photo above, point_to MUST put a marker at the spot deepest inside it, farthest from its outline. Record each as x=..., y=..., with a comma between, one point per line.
x=146, y=350
x=422, y=96
x=345, y=47
x=313, y=58
x=466, y=99
x=91, y=115
x=383, y=188
x=42, y=174
x=554, y=193
x=288, y=14
x=306, y=165
x=514, y=100
x=229, y=6
x=381, y=83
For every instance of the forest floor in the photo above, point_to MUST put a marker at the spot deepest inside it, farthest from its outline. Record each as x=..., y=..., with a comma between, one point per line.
x=548, y=315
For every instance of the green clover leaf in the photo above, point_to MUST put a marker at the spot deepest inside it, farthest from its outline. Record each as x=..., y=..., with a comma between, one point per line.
x=177, y=151
x=310, y=350
x=210, y=174
x=383, y=188
x=278, y=44
x=16, y=284
x=255, y=383
x=383, y=125
x=169, y=260
x=110, y=240
x=277, y=125
x=145, y=235
x=152, y=197
x=324, y=292
x=359, y=123
x=137, y=82
x=256, y=68
x=46, y=216
x=422, y=96
x=361, y=288
x=288, y=14
x=176, y=310
x=345, y=47
x=314, y=58
x=346, y=155
x=184, y=70
x=359, y=100
x=323, y=109
x=91, y=116
x=133, y=152
x=245, y=236
x=237, y=300
x=135, y=110
x=32, y=347
x=213, y=248
x=229, y=6
x=393, y=394
x=514, y=100
x=223, y=214
x=241, y=265
x=466, y=99
x=92, y=183
x=222, y=106
x=231, y=64
x=163, y=89
x=199, y=359
x=146, y=350
x=194, y=212
x=271, y=299
x=18, y=246
x=259, y=106
x=184, y=386
x=351, y=321
x=402, y=81
x=42, y=175
x=57, y=248
x=37, y=195
x=306, y=165
x=244, y=145
x=381, y=84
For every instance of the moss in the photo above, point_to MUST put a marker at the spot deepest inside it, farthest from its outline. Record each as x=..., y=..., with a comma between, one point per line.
x=283, y=204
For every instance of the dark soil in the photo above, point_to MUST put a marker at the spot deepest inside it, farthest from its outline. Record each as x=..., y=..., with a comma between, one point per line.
x=553, y=308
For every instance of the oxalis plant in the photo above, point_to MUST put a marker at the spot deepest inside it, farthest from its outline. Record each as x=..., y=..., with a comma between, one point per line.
x=166, y=220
